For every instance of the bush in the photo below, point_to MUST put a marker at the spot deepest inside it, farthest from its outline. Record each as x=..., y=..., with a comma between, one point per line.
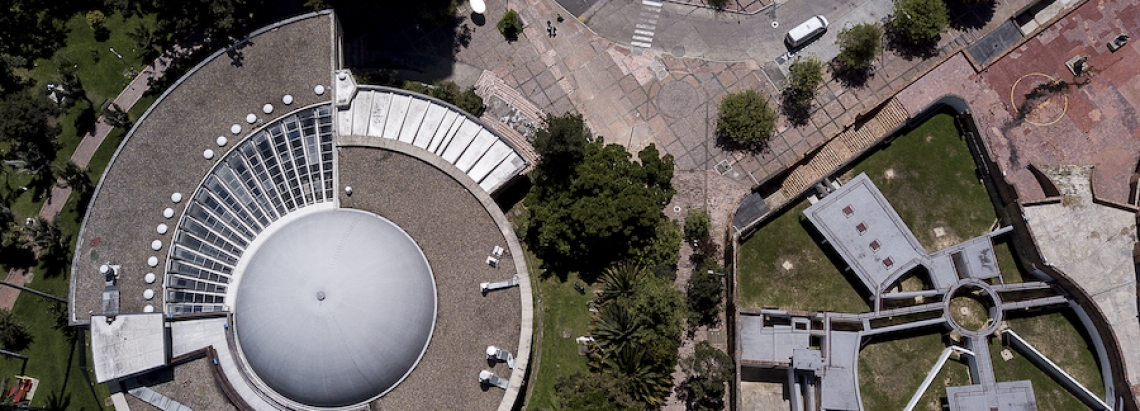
x=96, y=19
x=745, y=119
x=921, y=20
x=510, y=25
x=859, y=44
x=450, y=92
x=704, y=294
x=718, y=3
x=14, y=335
x=806, y=76
x=709, y=369
x=696, y=224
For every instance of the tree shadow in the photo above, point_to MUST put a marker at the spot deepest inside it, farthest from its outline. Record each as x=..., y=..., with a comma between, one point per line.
x=967, y=15
x=795, y=109
x=900, y=43
x=85, y=121
x=728, y=144
x=850, y=77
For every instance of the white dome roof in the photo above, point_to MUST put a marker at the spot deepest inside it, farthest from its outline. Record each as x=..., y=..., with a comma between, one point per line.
x=335, y=308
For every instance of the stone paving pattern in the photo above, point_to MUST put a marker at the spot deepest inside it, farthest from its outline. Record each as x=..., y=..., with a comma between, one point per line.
x=1092, y=244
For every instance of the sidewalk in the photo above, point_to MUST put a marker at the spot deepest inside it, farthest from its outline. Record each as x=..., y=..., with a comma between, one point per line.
x=82, y=156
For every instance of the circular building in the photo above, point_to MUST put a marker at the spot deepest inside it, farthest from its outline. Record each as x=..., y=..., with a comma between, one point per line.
x=271, y=235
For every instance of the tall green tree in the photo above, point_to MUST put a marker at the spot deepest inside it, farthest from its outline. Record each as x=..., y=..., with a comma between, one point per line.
x=591, y=204
x=704, y=294
x=805, y=76
x=859, y=44
x=921, y=20
x=745, y=119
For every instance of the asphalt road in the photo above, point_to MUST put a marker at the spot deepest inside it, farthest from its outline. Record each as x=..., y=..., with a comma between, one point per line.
x=699, y=32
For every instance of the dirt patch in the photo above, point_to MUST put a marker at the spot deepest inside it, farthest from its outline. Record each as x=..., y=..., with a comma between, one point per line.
x=943, y=236
x=889, y=174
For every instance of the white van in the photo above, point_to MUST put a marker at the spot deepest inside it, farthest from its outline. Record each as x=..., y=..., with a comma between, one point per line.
x=806, y=31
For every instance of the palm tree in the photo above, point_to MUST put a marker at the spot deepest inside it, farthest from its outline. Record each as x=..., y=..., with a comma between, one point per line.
x=620, y=281
x=616, y=328
x=646, y=383
x=51, y=242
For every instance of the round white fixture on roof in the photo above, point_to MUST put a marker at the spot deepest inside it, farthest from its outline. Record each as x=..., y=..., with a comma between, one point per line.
x=162, y=228
x=168, y=212
x=148, y=294
x=208, y=154
x=148, y=309
x=251, y=118
x=149, y=277
x=267, y=108
x=176, y=197
x=348, y=190
x=288, y=99
x=775, y=24
x=156, y=245
x=478, y=6
x=222, y=141
x=319, y=89
x=152, y=261
x=103, y=269
x=236, y=128
x=342, y=76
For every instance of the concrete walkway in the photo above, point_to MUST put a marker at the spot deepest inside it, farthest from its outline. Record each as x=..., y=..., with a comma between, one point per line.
x=82, y=157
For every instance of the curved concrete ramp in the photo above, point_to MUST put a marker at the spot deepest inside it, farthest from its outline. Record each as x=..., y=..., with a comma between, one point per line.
x=427, y=123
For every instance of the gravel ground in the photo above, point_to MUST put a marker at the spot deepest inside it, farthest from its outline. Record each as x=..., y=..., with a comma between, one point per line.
x=163, y=154
x=456, y=234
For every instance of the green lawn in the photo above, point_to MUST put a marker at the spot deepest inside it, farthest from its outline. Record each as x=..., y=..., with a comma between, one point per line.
x=563, y=308
x=100, y=71
x=1057, y=336
x=54, y=358
x=891, y=371
x=812, y=283
x=929, y=177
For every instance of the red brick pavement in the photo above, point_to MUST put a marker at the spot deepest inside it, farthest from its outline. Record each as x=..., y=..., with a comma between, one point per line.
x=1099, y=124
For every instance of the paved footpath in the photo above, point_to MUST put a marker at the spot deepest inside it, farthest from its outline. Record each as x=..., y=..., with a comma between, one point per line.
x=81, y=157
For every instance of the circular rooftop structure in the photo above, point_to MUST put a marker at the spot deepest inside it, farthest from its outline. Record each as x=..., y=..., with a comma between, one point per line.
x=335, y=307
x=292, y=290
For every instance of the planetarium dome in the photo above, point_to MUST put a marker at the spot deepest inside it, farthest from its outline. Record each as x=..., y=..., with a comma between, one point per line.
x=335, y=307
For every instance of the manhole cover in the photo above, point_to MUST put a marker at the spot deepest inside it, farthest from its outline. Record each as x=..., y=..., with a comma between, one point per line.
x=676, y=99
x=723, y=167
x=679, y=51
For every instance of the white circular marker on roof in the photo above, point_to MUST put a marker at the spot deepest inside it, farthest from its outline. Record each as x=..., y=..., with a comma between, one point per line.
x=103, y=269
x=149, y=278
x=288, y=99
x=176, y=197
x=478, y=6
x=342, y=76
x=267, y=109
x=236, y=128
x=152, y=261
x=208, y=154
x=156, y=245
x=148, y=309
x=162, y=228
x=148, y=294
x=251, y=118
x=168, y=212
x=221, y=141
x=319, y=89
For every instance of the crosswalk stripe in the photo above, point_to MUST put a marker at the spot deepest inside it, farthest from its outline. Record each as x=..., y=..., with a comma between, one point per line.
x=651, y=3
x=643, y=32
